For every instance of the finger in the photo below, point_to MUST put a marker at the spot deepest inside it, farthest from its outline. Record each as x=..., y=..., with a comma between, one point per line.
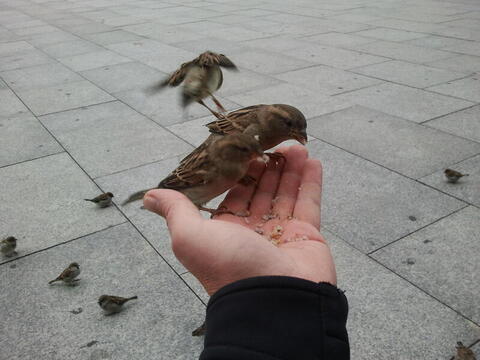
x=308, y=206
x=290, y=181
x=175, y=208
x=239, y=198
x=267, y=188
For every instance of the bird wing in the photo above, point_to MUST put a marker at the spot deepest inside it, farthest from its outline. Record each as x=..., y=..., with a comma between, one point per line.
x=65, y=273
x=210, y=59
x=191, y=171
x=178, y=76
x=235, y=121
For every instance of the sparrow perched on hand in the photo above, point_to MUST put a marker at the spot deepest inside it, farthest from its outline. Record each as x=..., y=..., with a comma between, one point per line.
x=68, y=276
x=8, y=245
x=215, y=167
x=201, y=77
x=113, y=304
x=272, y=124
x=453, y=176
x=464, y=353
x=102, y=200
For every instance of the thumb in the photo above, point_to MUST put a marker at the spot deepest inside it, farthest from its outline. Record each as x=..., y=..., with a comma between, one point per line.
x=181, y=214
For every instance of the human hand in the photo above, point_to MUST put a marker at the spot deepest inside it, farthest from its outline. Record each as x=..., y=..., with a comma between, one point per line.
x=227, y=248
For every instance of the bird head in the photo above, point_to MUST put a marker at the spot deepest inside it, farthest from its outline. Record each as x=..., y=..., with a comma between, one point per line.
x=284, y=122
x=109, y=194
x=11, y=240
x=75, y=265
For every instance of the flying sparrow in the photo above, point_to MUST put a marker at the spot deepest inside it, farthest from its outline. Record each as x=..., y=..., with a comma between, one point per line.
x=201, y=77
x=113, y=304
x=464, y=353
x=453, y=176
x=102, y=200
x=8, y=245
x=68, y=276
x=217, y=165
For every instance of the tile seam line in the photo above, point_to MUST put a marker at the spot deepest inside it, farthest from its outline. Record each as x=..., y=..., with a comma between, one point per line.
x=458, y=162
x=394, y=171
x=409, y=282
x=37, y=158
x=63, y=243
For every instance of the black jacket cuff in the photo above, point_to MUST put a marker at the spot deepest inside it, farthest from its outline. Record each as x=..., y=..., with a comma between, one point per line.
x=276, y=317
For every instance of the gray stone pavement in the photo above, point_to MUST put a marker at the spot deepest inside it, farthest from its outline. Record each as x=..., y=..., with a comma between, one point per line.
x=391, y=90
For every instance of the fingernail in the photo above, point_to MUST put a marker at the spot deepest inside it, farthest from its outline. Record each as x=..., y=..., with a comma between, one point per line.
x=150, y=202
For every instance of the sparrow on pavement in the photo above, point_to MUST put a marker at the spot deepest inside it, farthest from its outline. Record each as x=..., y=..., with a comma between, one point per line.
x=113, y=304
x=216, y=166
x=453, y=176
x=464, y=353
x=201, y=77
x=102, y=200
x=68, y=276
x=8, y=245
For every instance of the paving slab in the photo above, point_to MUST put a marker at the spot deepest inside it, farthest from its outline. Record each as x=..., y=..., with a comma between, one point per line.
x=24, y=138
x=69, y=324
x=266, y=62
x=467, y=188
x=165, y=33
x=93, y=60
x=152, y=226
x=405, y=73
x=132, y=139
x=39, y=76
x=122, y=77
x=463, y=123
x=70, y=48
x=335, y=57
x=337, y=39
x=44, y=205
x=406, y=52
x=62, y=97
x=10, y=105
x=112, y=37
x=196, y=287
x=442, y=260
x=216, y=44
x=390, y=34
x=311, y=103
x=327, y=79
x=461, y=63
x=42, y=40
x=400, y=145
x=406, y=102
x=358, y=193
x=23, y=59
x=164, y=107
x=381, y=315
x=238, y=82
x=14, y=47
x=468, y=88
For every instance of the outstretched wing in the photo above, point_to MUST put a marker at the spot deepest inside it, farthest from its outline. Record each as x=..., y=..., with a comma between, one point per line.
x=209, y=58
x=235, y=121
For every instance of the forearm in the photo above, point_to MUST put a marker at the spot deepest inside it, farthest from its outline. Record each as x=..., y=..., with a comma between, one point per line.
x=276, y=318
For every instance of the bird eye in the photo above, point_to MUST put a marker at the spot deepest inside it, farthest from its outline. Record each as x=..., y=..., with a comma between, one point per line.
x=288, y=122
x=242, y=148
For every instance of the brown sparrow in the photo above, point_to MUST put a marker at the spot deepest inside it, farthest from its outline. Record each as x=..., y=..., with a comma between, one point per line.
x=464, y=353
x=216, y=166
x=8, y=245
x=453, y=176
x=68, y=276
x=102, y=200
x=201, y=77
x=113, y=304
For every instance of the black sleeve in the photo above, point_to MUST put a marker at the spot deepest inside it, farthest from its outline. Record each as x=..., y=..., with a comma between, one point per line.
x=277, y=317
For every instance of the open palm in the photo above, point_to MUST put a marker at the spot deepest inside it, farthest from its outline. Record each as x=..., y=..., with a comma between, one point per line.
x=279, y=237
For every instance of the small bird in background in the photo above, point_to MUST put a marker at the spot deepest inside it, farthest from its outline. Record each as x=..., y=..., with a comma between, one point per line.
x=8, y=246
x=200, y=331
x=113, y=304
x=102, y=200
x=68, y=276
x=272, y=124
x=453, y=176
x=216, y=166
x=201, y=77
x=464, y=353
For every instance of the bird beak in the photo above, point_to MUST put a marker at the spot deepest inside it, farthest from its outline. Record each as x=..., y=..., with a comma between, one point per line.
x=300, y=136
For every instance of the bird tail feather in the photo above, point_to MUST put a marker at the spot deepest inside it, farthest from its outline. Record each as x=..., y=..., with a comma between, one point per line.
x=136, y=196
x=89, y=200
x=52, y=281
x=132, y=298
